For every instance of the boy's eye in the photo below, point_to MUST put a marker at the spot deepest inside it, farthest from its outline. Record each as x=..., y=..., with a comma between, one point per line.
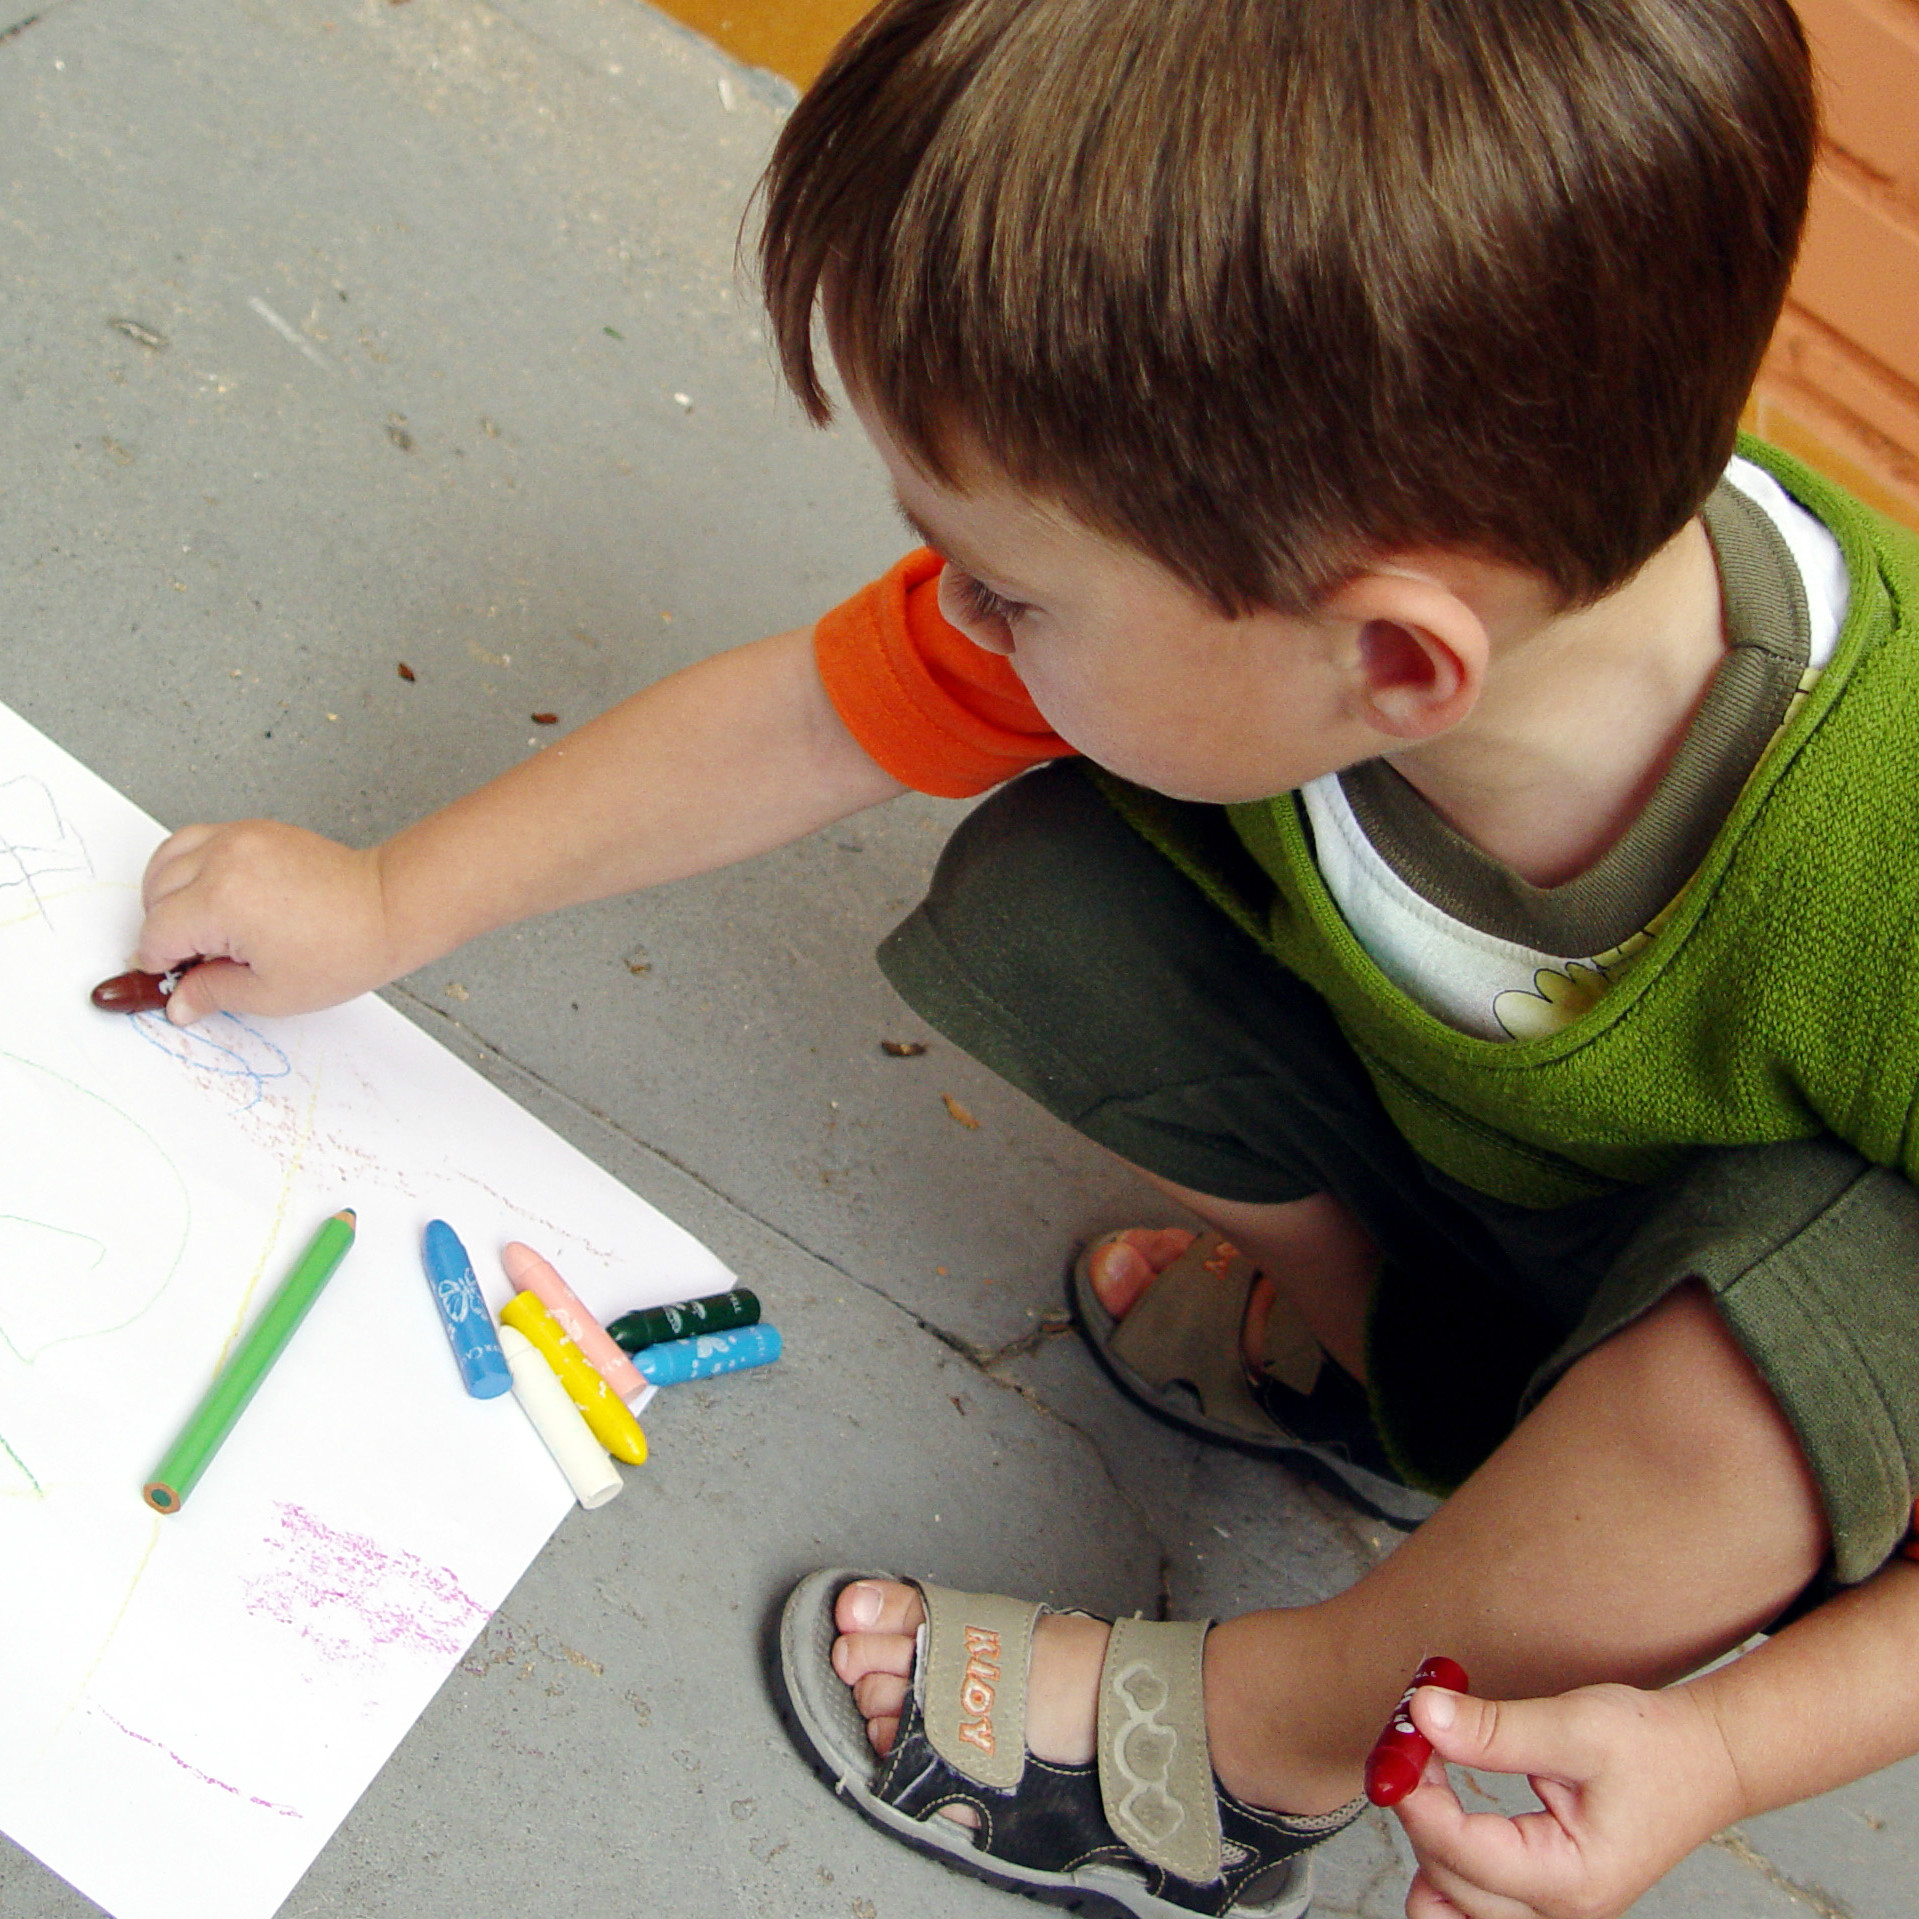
x=979, y=603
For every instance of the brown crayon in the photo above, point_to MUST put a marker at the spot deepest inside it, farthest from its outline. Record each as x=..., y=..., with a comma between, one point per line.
x=139, y=992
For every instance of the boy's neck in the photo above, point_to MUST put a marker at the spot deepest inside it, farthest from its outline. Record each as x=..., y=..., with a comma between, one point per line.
x=1580, y=717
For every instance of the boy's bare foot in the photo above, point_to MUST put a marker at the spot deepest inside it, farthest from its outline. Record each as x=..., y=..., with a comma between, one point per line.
x=874, y=1655
x=1322, y=1257
x=878, y=1622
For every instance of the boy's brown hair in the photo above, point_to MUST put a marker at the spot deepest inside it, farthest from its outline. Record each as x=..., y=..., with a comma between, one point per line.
x=1266, y=288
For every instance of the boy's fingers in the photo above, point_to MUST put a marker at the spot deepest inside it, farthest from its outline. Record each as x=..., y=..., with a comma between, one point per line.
x=214, y=986
x=1427, y=1900
x=1456, y=1894
x=173, y=863
x=1553, y=1737
x=1424, y=1900
x=174, y=931
x=1485, y=1863
x=169, y=940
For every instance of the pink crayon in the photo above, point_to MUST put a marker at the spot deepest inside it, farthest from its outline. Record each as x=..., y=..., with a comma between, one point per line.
x=529, y=1273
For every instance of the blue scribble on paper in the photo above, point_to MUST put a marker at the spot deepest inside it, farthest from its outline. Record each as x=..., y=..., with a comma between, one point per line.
x=224, y=1047
x=36, y=841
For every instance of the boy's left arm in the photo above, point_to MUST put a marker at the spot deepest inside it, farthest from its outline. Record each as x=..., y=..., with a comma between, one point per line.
x=1632, y=1781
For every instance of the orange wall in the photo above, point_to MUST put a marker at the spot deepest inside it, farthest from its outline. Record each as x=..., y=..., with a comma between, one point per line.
x=792, y=37
x=1841, y=382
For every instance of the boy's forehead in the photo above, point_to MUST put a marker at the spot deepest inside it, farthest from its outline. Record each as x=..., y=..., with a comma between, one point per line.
x=978, y=499
x=1010, y=540
x=914, y=523
x=982, y=529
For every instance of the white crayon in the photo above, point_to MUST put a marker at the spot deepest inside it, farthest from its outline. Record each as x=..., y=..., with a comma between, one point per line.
x=588, y=1466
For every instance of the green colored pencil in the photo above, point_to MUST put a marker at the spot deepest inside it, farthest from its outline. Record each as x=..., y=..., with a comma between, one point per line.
x=217, y=1414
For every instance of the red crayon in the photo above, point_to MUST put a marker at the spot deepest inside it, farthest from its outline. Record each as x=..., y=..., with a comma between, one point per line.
x=1394, y=1765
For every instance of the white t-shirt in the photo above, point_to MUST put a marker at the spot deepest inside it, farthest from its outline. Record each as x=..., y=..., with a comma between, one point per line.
x=1474, y=980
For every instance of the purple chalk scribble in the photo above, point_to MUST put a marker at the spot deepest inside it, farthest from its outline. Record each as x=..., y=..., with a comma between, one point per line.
x=350, y=1598
x=205, y=1778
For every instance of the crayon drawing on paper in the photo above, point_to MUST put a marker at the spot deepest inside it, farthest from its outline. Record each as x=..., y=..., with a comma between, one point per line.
x=209, y=1692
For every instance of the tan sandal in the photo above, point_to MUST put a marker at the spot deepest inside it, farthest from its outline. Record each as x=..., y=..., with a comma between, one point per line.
x=1144, y=1832
x=1177, y=1353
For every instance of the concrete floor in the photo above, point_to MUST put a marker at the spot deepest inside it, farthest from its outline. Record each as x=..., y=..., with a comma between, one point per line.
x=457, y=372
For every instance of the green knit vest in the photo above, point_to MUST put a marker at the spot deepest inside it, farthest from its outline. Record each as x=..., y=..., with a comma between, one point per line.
x=1779, y=1000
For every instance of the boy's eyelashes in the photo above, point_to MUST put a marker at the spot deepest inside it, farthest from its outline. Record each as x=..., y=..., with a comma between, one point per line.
x=978, y=602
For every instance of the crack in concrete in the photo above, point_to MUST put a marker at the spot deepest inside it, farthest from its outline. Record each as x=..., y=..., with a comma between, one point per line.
x=985, y=1358
x=1827, y=1905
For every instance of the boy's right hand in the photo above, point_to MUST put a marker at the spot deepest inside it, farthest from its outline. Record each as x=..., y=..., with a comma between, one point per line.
x=283, y=920
x=1629, y=1782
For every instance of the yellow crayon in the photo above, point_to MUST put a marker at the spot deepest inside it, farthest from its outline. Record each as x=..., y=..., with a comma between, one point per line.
x=613, y=1426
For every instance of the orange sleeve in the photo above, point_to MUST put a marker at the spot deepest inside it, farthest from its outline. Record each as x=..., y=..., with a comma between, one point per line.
x=937, y=712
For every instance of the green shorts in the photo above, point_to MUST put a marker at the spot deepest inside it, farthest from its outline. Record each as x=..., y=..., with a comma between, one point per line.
x=1058, y=948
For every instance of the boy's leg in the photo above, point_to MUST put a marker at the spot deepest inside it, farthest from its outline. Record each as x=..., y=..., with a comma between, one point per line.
x=1653, y=1511
x=1064, y=952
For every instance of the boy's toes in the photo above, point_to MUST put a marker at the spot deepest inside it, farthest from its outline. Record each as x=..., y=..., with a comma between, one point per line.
x=1123, y=1265
x=857, y=1654
x=879, y=1622
x=878, y=1606
x=880, y=1695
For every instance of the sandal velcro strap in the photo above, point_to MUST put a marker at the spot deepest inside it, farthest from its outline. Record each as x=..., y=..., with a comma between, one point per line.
x=973, y=1663
x=1155, y=1773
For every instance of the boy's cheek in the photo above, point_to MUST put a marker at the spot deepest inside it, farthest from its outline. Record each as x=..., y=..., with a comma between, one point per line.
x=1128, y=730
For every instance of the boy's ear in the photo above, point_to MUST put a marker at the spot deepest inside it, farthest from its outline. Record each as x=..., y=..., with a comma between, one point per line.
x=1420, y=651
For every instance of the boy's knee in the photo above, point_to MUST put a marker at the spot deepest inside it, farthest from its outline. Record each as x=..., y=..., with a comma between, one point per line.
x=1679, y=1386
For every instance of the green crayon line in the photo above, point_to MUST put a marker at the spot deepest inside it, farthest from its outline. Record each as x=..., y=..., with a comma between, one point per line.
x=228, y=1397
x=40, y=1492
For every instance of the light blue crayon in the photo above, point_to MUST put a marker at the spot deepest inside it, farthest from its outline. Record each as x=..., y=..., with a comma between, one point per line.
x=469, y=1326
x=675, y=1361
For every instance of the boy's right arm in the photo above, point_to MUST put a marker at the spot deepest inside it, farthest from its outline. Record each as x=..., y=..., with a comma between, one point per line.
x=731, y=757
x=1631, y=1781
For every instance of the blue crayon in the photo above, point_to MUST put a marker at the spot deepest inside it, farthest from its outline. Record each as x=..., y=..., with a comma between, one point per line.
x=675, y=1361
x=469, y=1326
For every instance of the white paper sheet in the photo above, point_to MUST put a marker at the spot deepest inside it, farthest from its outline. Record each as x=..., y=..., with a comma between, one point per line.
x=193, y=1703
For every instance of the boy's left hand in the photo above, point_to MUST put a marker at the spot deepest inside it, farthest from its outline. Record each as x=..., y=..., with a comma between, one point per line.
x=1631, y=1782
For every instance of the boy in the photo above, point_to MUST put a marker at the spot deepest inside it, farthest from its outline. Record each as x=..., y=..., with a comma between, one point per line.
x=1336, y=408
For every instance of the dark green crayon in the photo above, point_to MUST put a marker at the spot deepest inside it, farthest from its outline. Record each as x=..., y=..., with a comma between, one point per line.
x=717, y=1313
